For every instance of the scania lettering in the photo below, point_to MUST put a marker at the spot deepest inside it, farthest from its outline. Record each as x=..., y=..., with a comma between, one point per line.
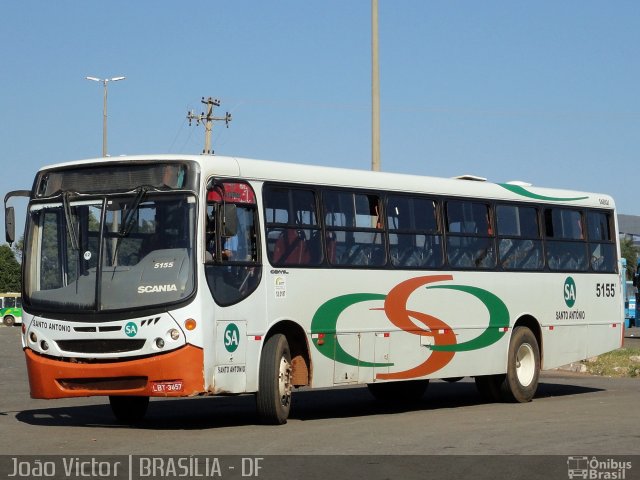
x=157, y=288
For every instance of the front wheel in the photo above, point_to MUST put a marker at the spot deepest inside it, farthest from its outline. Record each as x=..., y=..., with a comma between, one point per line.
x=523, y=367
x=9, y=321
x=129, y=409
x=273, y=399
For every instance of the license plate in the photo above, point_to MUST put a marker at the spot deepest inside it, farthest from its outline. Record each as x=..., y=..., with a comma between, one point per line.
x=167, y=387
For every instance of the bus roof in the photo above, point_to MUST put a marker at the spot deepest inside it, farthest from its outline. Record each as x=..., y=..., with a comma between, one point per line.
x=262, y=170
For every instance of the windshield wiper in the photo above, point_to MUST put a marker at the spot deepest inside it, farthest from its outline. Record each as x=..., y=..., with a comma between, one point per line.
x=129, y=217
x=68, y=220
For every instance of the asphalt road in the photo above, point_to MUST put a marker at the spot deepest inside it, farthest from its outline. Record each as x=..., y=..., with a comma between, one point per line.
x=632, y=337
x=572, y=414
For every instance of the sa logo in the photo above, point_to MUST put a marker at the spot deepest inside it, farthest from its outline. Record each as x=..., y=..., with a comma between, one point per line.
x=569, y=292
x=131, y=329
x=231, y=337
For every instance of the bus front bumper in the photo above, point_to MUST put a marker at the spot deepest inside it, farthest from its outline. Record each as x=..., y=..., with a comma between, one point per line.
x=174, y=374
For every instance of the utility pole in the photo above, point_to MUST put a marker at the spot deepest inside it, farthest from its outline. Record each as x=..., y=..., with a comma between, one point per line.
x=207, y=120
x=375, y=90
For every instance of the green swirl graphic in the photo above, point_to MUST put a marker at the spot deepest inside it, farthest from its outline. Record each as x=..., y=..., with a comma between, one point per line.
x=523, y=192
x=498, y=318
x=325, y=321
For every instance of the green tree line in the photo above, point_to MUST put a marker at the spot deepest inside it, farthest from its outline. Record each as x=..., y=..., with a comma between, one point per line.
x=10, y=280
x=630, y=252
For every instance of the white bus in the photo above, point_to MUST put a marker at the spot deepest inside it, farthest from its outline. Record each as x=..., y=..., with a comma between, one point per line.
x=177, y=276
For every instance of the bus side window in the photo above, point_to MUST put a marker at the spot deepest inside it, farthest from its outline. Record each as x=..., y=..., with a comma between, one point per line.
x=291, y=224
x=566, y=246
x=356, y=223
x=414, y=237
x=470, y=240
x=602, y=250
x=519, y=243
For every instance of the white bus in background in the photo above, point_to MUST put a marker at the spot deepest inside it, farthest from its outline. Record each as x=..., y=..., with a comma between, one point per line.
x=166, y=276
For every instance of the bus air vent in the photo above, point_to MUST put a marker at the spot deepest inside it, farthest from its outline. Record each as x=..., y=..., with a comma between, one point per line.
x=112, y=328
x=474, y=178
x=84, y=329
x=101, y=345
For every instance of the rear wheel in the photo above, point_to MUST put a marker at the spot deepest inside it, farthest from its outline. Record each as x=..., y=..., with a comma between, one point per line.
x=523, y=367
x=129, y=409
x=520, y=382
x=9, y=321
x=273, y=399
x=404, y=391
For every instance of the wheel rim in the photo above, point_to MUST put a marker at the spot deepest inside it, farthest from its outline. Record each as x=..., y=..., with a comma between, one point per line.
x=525, y=364
x=284, y=382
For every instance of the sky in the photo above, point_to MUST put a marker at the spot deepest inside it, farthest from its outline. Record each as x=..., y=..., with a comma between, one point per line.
x=545, y=92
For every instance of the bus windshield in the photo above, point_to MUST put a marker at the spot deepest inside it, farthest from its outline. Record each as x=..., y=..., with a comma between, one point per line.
x=110, y=253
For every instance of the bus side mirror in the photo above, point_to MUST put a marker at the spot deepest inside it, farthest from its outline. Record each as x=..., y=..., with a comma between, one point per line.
x=10, y=224
x=229, y=220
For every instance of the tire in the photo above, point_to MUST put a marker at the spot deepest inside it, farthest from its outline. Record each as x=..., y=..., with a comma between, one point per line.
x=273, y=399
x=490, y=386
x=523, y=367
x=452, y=379
x=129, y=409
x=399, y=392
x=9, y=321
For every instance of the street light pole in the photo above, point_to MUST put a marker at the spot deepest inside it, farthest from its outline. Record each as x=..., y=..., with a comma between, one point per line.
x=104, y=82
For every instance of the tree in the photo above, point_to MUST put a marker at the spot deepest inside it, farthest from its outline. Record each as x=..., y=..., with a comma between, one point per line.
x=630, y=252
x=9, y=270
x=17, y=248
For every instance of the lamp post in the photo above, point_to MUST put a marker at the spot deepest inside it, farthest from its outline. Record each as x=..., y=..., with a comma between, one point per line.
x=104, y=108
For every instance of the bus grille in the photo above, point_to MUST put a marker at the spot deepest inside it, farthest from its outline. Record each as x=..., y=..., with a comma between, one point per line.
x=100, y=345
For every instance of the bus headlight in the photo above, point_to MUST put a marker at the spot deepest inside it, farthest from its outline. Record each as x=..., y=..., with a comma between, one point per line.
x=174, y=334
x=44, y=345
x=33, y=337
x=159, y=342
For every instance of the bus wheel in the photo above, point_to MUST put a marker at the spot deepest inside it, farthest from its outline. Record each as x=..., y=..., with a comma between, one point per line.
x=404, y=391
x=273, y=398
x=523, y=367
x=9, y=320
x=129, y=409
x=489, y=387
x=452, y=379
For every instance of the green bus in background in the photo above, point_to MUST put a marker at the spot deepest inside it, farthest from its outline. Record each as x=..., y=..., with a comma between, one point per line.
x=11, y=308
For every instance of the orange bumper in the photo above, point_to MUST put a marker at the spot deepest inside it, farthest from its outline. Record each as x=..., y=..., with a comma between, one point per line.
x=175, y=374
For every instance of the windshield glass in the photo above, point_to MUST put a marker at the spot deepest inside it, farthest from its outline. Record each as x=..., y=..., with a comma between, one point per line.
x=111, y=253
